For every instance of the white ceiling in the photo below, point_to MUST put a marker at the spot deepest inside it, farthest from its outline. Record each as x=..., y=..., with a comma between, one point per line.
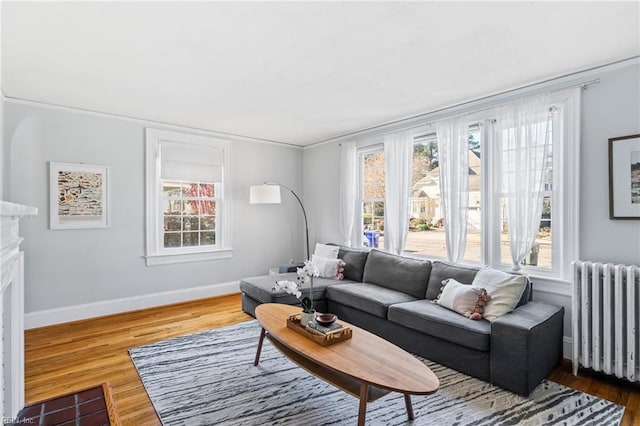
x=298, y=72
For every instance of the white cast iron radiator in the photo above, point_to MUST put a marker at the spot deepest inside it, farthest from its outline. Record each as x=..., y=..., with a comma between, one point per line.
x=605, y=310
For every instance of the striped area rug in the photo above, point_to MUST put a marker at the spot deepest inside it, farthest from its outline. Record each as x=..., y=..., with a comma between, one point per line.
x=209, y=379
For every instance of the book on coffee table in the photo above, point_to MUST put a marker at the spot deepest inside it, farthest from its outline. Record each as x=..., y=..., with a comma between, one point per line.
x=314, y=326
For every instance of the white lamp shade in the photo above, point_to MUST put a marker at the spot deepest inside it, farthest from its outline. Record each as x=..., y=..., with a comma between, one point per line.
x=264, y=194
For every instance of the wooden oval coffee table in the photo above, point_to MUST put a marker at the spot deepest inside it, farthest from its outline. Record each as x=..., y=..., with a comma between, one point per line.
x=365, y=366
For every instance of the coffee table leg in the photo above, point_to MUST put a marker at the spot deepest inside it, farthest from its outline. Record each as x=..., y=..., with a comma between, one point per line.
x=362, y=412
x=407, y=402
x=257, y=360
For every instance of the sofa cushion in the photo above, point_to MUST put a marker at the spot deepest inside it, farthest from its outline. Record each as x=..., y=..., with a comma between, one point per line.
x=261, y=288
x=397, y=272
x=434, y=320
x=440, y=271
x=369, y=298
x=355, y=260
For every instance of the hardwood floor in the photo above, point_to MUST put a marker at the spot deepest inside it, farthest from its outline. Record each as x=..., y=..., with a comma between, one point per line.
x=68, y=357
x=73, y=356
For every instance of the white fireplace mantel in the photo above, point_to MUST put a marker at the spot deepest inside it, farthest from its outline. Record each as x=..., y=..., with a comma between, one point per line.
x=12, y=308
x=14, y=210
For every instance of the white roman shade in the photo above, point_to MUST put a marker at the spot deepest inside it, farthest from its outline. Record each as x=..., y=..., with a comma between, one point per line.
x=191, y=162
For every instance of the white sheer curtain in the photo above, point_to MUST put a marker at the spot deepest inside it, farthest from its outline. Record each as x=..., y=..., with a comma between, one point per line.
x=523, y=134
x=398, y=163
x=348, y=191
x=453, y=161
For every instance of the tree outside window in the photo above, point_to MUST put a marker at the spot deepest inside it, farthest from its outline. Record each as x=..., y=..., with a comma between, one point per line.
x=189, y=215
x=372, y=198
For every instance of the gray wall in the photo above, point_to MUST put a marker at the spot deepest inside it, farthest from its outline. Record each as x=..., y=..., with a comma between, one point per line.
x=321, y=192
x=2, y=145
x=610, y=108
x=71, y=267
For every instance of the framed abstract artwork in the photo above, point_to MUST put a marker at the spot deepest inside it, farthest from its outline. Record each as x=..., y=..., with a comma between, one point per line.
x=79, y=196
x=624, y=177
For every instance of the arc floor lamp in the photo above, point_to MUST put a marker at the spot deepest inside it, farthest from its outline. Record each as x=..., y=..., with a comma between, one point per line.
x=269, y=193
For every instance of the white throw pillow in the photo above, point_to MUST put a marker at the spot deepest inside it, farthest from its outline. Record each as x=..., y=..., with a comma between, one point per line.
x=460, y=298
x=328, y=268
x=326, y=251
x=505, y=291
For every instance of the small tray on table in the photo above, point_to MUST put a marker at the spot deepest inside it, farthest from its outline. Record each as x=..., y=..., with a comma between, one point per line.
x=323, y=339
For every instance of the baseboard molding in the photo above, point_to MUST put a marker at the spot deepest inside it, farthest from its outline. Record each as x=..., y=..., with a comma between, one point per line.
x=117, y=306
x=567, y=347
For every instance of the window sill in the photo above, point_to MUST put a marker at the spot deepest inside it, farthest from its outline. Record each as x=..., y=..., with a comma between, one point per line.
x=551, y=285
x=167, y=259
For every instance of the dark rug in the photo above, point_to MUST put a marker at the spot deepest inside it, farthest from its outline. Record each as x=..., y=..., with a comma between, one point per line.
x=89, y=407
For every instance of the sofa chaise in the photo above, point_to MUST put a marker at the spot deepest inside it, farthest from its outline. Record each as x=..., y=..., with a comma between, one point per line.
x=392, y=296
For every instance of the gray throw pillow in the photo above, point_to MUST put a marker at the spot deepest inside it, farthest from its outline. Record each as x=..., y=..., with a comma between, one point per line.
x=355, y=260
x=400, y=273
x=527, y=294
x=442, y=271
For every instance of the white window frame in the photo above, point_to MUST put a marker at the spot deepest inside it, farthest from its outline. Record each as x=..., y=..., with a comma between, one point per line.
x=156, y=253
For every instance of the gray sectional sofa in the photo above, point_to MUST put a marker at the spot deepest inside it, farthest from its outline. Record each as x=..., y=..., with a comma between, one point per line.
x=392, y=296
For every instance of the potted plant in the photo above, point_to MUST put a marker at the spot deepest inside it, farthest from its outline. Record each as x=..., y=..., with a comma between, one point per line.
x=305, y=275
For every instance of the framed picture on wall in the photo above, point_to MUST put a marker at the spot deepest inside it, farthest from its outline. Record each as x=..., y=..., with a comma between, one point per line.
x=624, y=177
x=79, y=196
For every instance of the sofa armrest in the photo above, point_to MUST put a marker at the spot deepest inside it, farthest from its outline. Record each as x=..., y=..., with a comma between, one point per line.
x=525, y=346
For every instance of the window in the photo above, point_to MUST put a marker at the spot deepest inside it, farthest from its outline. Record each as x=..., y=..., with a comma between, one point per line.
x=188, y=215
x=426, y=224
x=190, y=210
x=541, y=255
x=372, y=193
x=426, y=233
x=473, y=250
x=487, y=232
